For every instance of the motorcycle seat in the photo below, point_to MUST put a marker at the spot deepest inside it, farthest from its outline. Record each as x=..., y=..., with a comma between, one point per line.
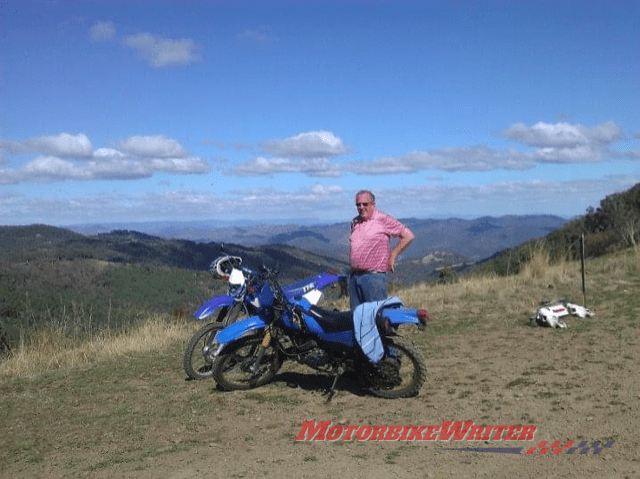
x=332, y=321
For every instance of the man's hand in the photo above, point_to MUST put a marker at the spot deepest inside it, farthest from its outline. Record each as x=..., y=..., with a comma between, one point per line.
x=405, y=240
x=392, y=262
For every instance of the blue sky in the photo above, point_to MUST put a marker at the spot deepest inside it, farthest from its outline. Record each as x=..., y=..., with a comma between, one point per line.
x=122, y=111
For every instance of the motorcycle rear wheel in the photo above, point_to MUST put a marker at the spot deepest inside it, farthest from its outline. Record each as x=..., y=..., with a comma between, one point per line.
x=410, y=369
x=232, y=369
x=194, y=362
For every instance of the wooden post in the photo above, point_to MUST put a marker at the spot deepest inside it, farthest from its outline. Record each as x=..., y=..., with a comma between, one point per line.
x=584, y=292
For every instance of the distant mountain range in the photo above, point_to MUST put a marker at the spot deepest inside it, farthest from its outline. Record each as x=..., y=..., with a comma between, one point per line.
x=468, y=239
x=297, y=251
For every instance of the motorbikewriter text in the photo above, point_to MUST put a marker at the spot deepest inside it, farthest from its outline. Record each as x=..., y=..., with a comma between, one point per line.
x=456, y=430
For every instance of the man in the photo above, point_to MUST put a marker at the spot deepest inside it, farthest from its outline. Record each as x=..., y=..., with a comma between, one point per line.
x=371, y=255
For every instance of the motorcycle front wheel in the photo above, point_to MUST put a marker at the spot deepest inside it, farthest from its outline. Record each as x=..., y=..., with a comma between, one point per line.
x=235, y=367
x=401, y=373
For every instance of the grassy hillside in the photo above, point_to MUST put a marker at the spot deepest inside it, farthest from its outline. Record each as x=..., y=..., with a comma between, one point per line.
x=54, y=279
x=83, y=297
x=117, y=405
x=613, y=226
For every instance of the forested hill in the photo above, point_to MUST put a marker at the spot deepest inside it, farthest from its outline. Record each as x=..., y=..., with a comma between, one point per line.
x=36, y=242
x=612, y=226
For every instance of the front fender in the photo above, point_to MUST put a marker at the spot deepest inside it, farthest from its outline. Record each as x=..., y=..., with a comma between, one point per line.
x=238, y=330
x=207, y=309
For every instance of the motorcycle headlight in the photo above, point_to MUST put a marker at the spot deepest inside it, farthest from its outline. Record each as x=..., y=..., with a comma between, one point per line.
x=237, y=284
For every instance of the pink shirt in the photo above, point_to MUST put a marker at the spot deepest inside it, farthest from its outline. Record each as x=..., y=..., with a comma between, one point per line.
x=370, y=241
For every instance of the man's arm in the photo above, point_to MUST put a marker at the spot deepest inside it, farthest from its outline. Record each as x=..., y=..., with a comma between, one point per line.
x=406, y=237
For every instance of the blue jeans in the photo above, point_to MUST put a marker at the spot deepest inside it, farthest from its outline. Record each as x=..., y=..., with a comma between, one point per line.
x=365, y=287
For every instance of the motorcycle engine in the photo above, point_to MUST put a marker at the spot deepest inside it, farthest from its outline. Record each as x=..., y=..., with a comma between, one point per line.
x=316, y=358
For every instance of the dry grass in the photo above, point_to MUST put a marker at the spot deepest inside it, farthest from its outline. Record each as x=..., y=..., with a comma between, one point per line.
x=513, y=296
x=51, y=349
x=538, y=281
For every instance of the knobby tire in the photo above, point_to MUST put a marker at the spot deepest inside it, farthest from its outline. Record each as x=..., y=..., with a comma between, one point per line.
x=231, y=370
x=195, y=365
x=413, y=371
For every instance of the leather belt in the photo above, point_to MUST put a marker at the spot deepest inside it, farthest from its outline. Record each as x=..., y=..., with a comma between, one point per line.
x=361, y=272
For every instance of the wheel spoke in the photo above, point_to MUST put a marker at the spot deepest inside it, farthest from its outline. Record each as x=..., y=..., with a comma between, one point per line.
x=234, y=368
x=196, y=365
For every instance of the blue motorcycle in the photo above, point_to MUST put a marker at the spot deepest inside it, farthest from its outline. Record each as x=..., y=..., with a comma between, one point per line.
x=248, y=353
x=228, y=308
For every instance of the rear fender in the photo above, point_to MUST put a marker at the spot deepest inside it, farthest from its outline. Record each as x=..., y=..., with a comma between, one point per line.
x=399, y=316
x=316, y=282
x=207, y=309
x=329, y=278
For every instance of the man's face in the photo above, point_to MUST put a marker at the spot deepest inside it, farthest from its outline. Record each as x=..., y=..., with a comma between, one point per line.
x=365, y=206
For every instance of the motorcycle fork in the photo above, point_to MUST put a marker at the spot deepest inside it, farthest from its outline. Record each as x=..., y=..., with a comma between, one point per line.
x=261, y=350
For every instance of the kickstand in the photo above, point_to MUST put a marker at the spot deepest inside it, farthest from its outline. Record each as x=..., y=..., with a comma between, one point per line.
x=332, y=391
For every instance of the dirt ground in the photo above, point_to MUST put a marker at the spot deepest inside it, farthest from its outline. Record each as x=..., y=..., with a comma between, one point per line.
x=141, y=418
x=570, y=390
x=573, y=386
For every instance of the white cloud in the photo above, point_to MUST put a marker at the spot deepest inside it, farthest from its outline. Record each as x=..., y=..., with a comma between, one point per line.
x=183, y=166
x=475, y=158
x=47, y=168
x=310, y=153
x=313, y=144
x=318, y=201
x=136, y=157
x=537, y=196
x=11, y=147
x=576, y=154
x=53, y=168
x=269, y=166
x=553, y=143
x=563, y=135
x=102, y=31
x=325, y=203
x=152, y=146
x=108, y=153
x=322, y=190
x=567, y=143
x=64, y=145
x=307, y=153
x=632, y=154
x=163, y=52
x=9, y=177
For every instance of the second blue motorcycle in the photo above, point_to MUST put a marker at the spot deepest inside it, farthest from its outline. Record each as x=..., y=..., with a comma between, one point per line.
x=228, y=308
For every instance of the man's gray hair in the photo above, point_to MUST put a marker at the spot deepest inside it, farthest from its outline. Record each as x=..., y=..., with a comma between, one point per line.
x=371, y=195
